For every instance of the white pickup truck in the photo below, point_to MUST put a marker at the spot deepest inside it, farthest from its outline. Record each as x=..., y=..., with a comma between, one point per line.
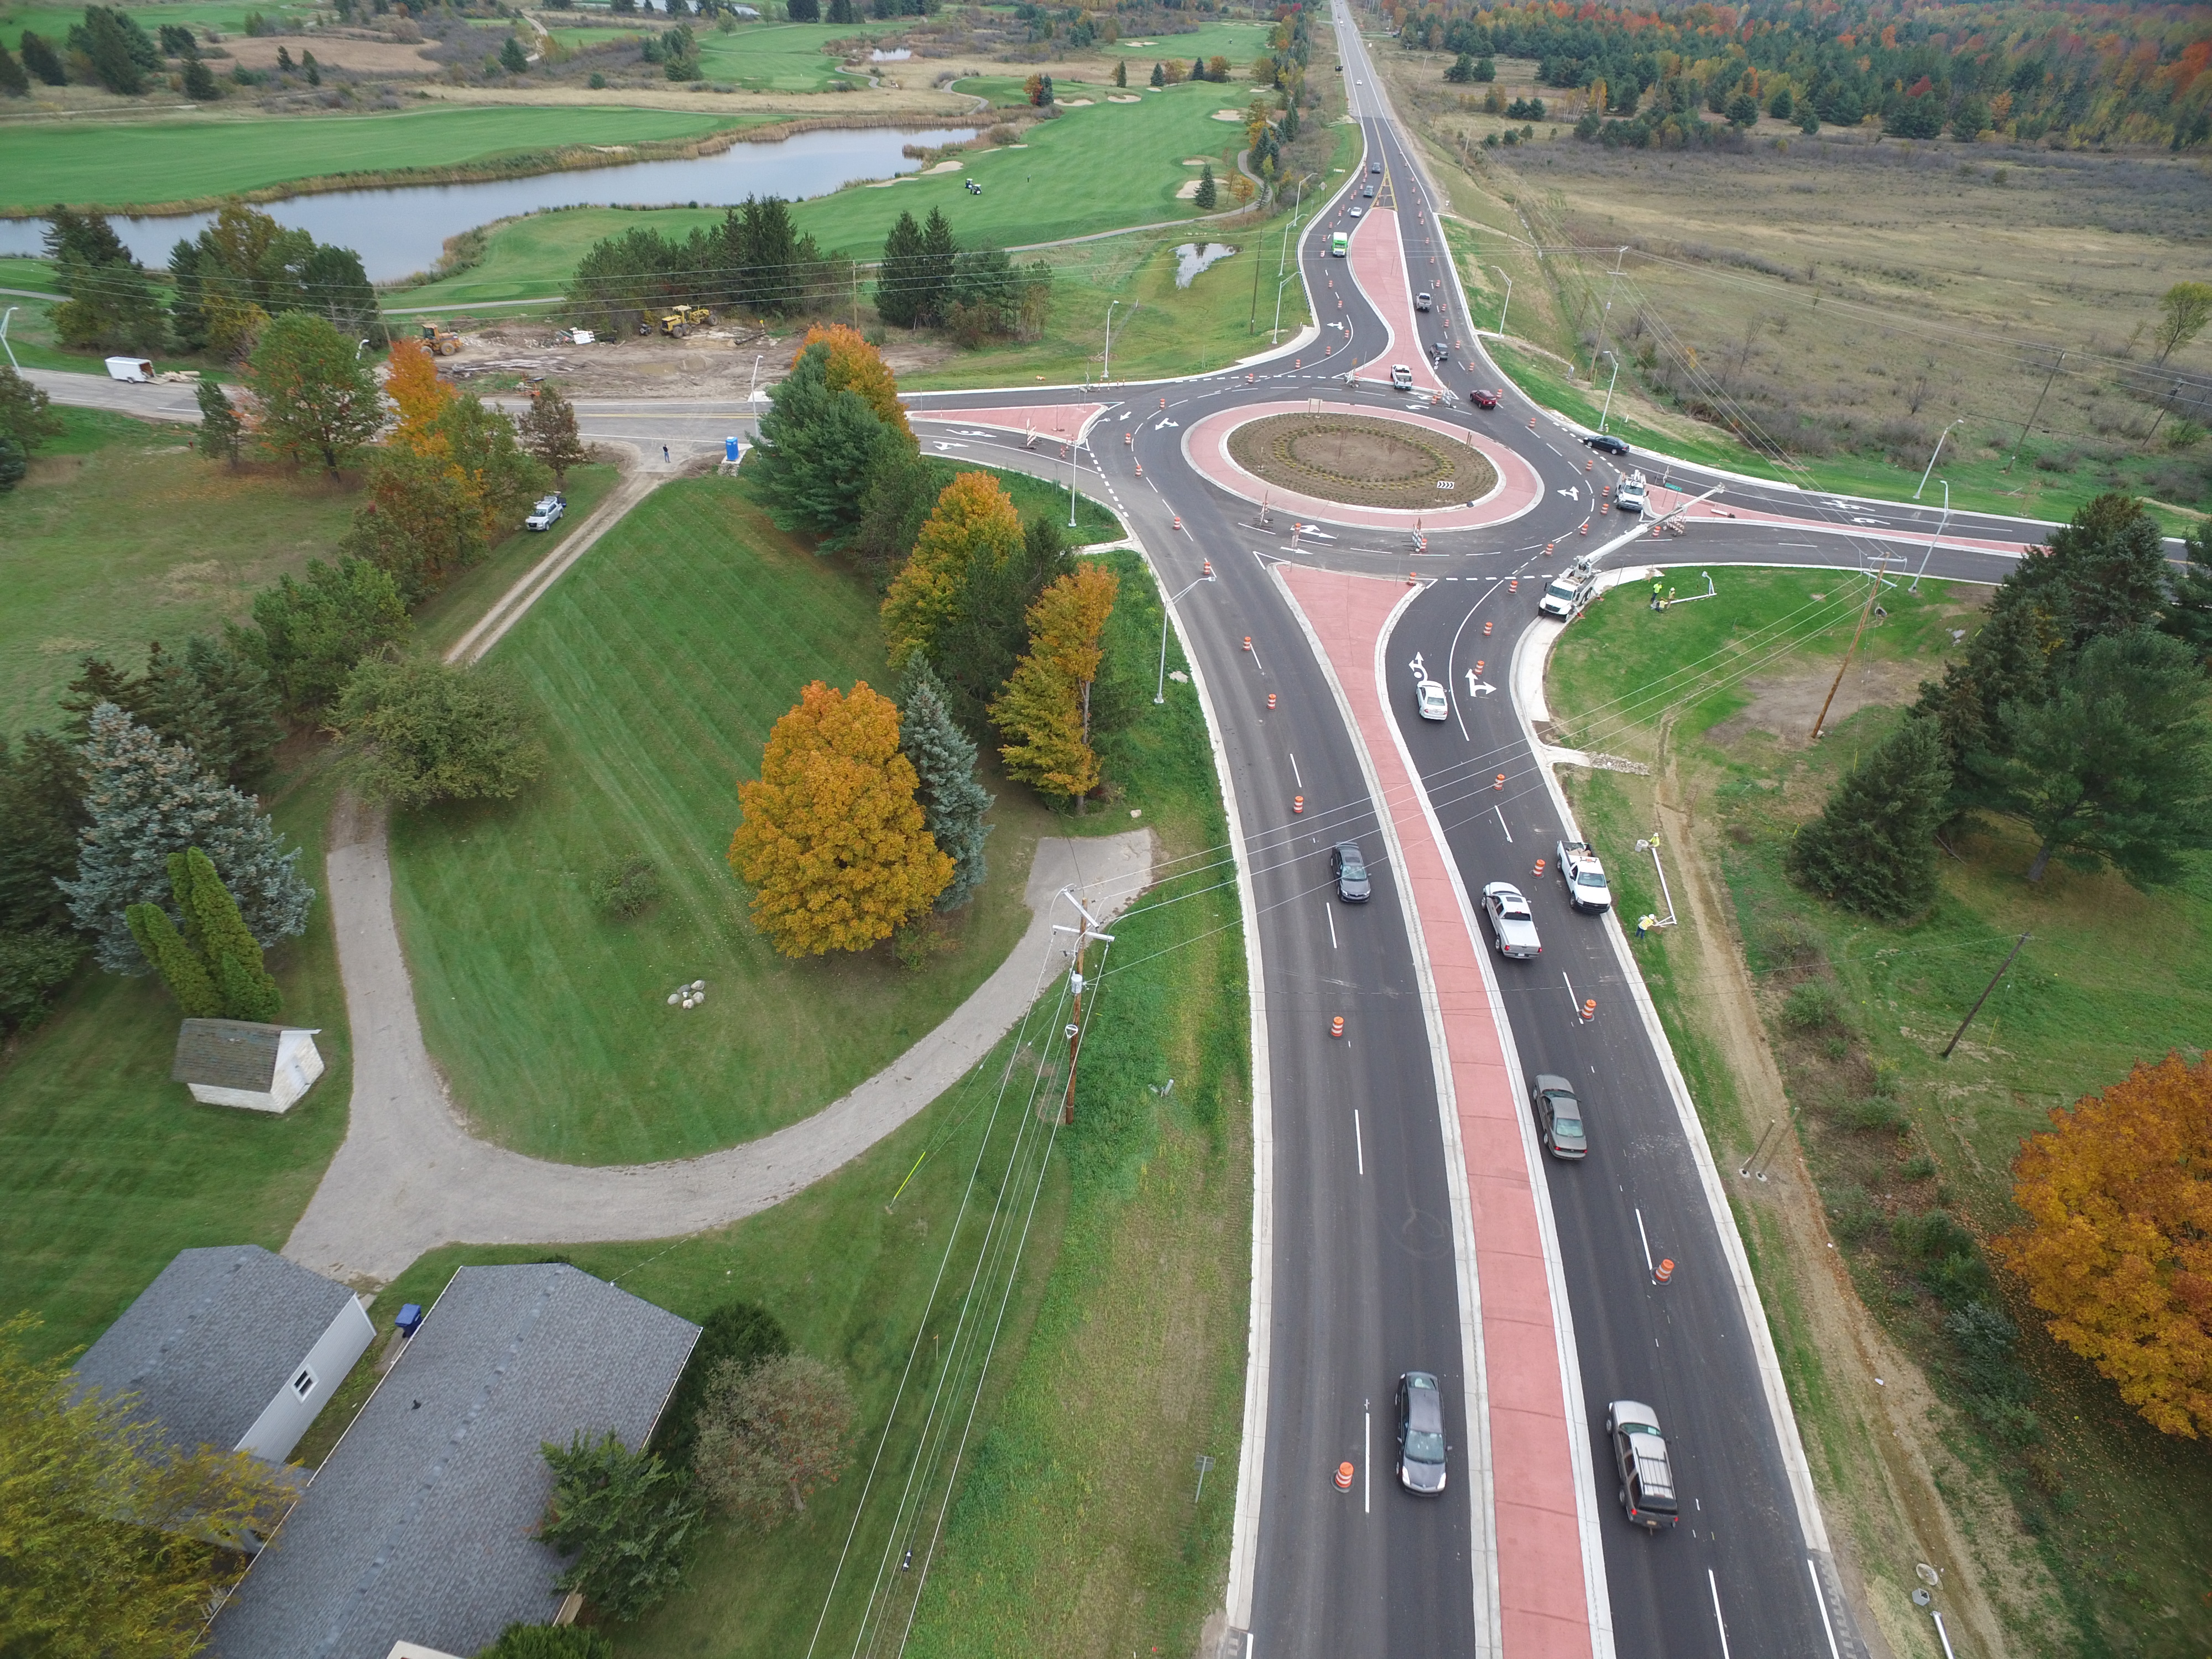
x=1629, y=497
x=1566, y=593
x=1585, y=876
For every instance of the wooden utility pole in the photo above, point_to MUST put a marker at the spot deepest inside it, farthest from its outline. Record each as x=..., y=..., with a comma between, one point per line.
x=1984, y=998
x=1871, y=593
x=1083, y=935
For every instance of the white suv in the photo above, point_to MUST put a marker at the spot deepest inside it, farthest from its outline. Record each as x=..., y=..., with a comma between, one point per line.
x=547, y=512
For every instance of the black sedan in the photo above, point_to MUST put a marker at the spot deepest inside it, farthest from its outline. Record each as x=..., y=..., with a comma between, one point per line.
x=1607, y=442
x=1350, y=870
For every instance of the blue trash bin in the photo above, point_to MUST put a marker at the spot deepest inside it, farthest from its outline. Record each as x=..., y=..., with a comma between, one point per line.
x=410, y=1318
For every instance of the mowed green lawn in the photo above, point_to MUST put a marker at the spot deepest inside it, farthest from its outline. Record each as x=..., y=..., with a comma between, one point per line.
x=1092, y=170
x=107, y=1168
x=121, y=534
x=192, y=159
x=1240, y=43
x=660, y=662
x=224, y=17
x=777, y=56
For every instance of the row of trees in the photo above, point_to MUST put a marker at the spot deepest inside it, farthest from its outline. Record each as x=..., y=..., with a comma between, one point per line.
x=756, y=260
x=867, y=812
x=158, y=757
x=2077, y=710
x=2022, y=71
x=225, y=285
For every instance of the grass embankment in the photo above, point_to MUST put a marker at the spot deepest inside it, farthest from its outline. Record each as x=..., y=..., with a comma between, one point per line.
x=662, y=662
x=440, y=620
x=2103, y=1508
x=1090, y=170
x=199, y=161
x=107, y=1168
x=120, y=535
x=225, y=17
x=1120, y=1358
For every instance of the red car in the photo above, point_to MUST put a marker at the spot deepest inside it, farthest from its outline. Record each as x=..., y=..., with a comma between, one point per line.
x=1483, y=399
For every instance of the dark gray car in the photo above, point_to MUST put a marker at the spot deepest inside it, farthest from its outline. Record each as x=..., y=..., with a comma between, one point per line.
x=1421, y=1447
x=1559, y=1117
x=1350, y=870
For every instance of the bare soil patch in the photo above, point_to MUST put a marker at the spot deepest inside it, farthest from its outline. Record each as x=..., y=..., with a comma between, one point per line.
x=1361, y=461
x=1786, y=705
x=334, y=51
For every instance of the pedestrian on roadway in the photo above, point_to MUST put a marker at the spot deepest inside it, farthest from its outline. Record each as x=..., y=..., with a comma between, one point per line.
x=664, y=454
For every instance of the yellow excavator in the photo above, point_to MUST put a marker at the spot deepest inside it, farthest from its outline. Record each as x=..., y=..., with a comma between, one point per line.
x=681, y=321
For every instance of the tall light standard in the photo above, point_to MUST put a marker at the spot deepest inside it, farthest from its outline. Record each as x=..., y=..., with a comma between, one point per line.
x=1606, y=316
x=1508, y=306
x=1935, y=538
x=1071, y=443
x=1931, y=458
x=1106, y=371
x=1160, y=694
x=1607, y=413
x=4, y=316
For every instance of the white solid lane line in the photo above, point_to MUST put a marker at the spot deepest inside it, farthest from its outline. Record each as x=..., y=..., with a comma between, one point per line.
x=1367, y=1485
x=1717, y=1619
x=1646, y=1237
x=1821, y=1601
x=1358, y=1142
x=1294, y=771
x=1331, y=914
x=1501, y=825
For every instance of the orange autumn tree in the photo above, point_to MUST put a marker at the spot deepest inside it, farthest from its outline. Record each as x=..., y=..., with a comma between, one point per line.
x=857, y=367
x=1044, y=712
x=833, y=844
x=974, y=518
x=2119, y=1244
x=414, y=387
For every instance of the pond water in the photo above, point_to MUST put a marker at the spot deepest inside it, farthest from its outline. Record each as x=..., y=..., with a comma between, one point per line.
x=879, y=56
x=1191, y=258
x=399, y=232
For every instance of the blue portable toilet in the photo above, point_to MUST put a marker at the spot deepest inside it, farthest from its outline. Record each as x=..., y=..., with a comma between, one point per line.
x=733, y=449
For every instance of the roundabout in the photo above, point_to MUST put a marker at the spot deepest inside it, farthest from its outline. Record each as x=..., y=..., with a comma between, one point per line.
x=1338, y=463
x=1362, y=460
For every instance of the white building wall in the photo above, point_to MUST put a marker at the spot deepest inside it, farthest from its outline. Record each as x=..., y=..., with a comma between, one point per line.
x=286, y=1417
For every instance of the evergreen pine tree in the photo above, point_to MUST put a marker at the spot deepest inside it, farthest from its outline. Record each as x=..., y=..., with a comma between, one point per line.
x=1159, y=75
x=215, y=929
x=42, y=60
x=1206, y=196
x=939, y=255
x=953, y=802
x=899, y=287
x=13, y=80
x=148, y=799
x=221, y=433
x=1121, y=71
x=200, y=84
x=512, y=58
x=1873, y=849
x=99, y=681
x=174, y=959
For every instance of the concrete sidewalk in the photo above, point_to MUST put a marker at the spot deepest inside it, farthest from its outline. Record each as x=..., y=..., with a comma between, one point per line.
x=410, y=1176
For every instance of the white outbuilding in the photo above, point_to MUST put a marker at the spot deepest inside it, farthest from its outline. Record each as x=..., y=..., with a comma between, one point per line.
x=231, y=1347
x=242, y=1063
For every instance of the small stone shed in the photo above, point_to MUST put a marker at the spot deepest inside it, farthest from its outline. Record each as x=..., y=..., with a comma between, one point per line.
x=241, y=1063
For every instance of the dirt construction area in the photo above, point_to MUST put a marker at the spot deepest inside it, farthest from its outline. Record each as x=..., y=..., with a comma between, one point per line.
x=718, y=361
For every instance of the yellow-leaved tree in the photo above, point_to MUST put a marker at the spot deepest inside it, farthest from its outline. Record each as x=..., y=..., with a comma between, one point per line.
x=833, y=844
x=2119, y=1244
x=1044, y=714
x=112, y=1542
x=974, y=518
x=857, y=367
x=414, y=387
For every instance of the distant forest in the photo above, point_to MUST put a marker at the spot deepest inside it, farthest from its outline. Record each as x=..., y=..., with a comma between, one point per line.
x=2069, y=74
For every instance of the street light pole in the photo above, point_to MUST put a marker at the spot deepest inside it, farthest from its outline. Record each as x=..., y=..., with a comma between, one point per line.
x=1935, y=538
x=1606, y=315
x=1106, y=372
x=2036, y=410
x=1508, y=306
x=1071, y=443
x=4, y=346
x=1931, y=458
x=1161, y=694
x=1607, y=413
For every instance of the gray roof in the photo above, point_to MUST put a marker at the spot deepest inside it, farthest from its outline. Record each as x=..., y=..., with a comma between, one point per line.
x=227, y=1053
x=207, y=1344
x=419, y=1526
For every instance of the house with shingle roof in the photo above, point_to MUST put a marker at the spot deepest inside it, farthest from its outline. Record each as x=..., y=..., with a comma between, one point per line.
x=231, y=1347
x=421, y=1526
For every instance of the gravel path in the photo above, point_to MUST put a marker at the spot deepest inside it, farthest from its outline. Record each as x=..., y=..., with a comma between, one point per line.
x=410, y=1176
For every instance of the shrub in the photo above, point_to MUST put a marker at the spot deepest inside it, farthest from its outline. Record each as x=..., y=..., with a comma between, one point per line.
x=743, y=1331
x=1789, y=943
x=625, y=1516
x=1943, y=1256
x=1811, y=1006
x=1853, y=1214
x=549, y=1642
x=769, y=1433
x=420, y=731
x=1874, y=1112
x=625, y=886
